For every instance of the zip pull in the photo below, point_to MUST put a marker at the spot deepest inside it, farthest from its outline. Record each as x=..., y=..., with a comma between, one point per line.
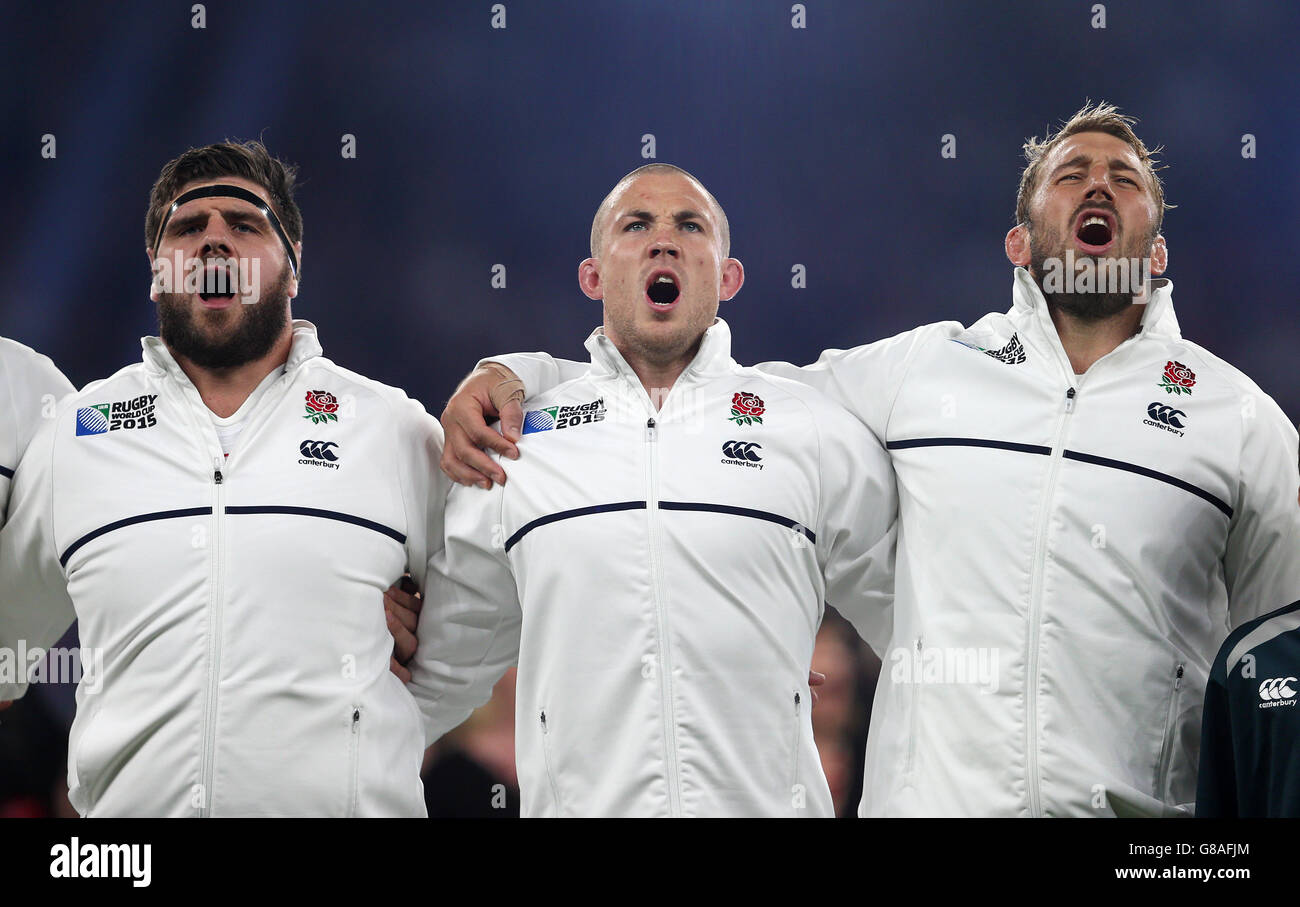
x=1069, y=400
x=216, y=470
x=1178, y=677
x=650, y=429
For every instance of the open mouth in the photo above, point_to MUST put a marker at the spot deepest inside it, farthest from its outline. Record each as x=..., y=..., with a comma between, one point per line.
x=217, y=284
x=662, y=290
x=1095, y=230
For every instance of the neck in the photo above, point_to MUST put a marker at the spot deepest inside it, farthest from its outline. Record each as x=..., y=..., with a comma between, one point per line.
x=657, y=375
x=1087, y=341
x=224, y=390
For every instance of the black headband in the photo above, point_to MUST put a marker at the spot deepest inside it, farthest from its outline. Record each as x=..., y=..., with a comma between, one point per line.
x=224, y=190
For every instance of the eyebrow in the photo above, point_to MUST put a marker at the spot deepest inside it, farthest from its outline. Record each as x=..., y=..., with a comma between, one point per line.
x=679, y=217
x=1080, y=160
x=199, y=218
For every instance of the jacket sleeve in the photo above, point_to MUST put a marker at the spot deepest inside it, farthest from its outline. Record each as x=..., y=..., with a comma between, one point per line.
x=1216, y=782
x=424, y=485
x=469, y=626
x=34, y=603
x=30, y=386
x=1261, y=562
x=865, y=380
x=858, y=529
x=540, y=371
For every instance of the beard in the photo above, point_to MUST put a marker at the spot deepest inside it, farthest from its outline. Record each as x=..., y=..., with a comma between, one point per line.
x=1097, y=305
x=188, y=331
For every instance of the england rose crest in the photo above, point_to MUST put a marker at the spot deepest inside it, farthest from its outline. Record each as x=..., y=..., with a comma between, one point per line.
x=321, y=407
x=747, y=408
x=1177, y=379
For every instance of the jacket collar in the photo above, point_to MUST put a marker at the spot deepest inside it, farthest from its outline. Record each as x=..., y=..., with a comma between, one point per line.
x=159, y=360
x=1158, y=318
x=713, y=358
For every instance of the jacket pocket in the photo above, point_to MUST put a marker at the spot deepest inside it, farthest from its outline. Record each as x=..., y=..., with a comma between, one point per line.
x=547, y=758
x=81, y=780
x=1161, y=788
x=354, y=761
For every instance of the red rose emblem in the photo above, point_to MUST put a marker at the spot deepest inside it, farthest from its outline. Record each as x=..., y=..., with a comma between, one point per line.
x=322, y=407
x=1177, y=379
x=747, y=408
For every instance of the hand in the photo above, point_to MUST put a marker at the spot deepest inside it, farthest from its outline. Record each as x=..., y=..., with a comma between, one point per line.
x=490, y=391
x=814, y=681
x=402, y=604
x=4, y=704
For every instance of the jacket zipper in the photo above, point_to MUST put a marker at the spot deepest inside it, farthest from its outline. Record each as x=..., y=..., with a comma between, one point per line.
x=354, y=761
x=915, y=681
x=665, y=655
x=1035, y=607
x=214, y=638
x=546, y=757
x=1166, y=743
x=794, y=773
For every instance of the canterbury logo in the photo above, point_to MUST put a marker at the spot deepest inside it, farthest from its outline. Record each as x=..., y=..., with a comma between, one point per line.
x=1277, y=688
x=1166, y=415
x=742, y=450
x=318, y=450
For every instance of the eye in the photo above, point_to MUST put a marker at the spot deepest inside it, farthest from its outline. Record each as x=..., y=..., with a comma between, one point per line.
x=245, y=227
x=692, y=227
x=635, y=223
x=1068, y=176
x=1125, y=179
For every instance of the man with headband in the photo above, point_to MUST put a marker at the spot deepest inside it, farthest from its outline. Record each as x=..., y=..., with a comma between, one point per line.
x=232, y=490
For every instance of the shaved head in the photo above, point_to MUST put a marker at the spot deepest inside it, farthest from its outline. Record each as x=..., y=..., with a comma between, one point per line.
x=607, y=206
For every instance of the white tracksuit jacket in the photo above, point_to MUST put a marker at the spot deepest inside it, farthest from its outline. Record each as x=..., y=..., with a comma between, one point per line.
x=660, y=576
x=1078, y=544
x=237, y=602
x=30, y=386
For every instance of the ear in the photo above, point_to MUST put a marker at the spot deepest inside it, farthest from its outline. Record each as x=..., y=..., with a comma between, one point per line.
x=293, y=281
x=733, y=277
x=1017, y=246
x=589, y=278
x=153, y=277
x=1159, y=256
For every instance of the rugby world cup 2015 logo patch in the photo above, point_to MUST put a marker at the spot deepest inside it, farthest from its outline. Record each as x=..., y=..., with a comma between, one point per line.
x=554, y=418
x=101, y=418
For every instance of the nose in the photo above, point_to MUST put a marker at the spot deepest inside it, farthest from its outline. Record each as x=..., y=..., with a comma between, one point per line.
x=216, y=238
x=1099, y=186
x=662, y=247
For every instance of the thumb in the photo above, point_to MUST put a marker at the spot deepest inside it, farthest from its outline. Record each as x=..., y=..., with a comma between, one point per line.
x=512, y=421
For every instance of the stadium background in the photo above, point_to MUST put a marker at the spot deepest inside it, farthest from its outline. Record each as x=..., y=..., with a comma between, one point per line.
x=479, y=146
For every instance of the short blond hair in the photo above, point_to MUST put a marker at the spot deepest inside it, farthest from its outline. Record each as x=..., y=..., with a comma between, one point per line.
x=724, y=228
x=1099, y=117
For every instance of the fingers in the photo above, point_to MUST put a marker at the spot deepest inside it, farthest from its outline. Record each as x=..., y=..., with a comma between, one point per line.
x=402, y=612
x=814, y=681
x=512, y=423
x=466, y=432
x=402, y=673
